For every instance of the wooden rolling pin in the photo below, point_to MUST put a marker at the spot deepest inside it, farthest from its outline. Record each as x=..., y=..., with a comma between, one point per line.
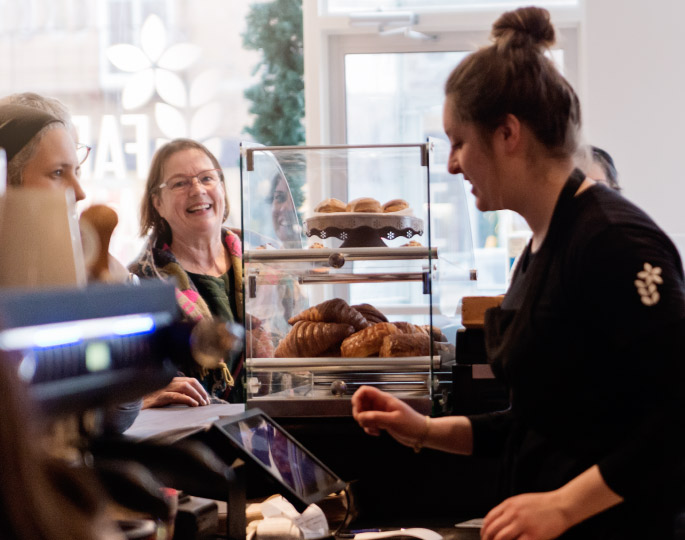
x=102, y=219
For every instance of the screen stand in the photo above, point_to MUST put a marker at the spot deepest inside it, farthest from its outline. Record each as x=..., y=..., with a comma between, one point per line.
x=236, y=503
x=187, y=465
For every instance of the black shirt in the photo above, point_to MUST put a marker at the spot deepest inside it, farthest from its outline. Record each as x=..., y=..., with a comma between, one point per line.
x=595, y=369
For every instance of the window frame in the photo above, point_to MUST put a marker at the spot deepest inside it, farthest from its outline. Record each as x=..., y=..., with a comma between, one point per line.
x=328, y=39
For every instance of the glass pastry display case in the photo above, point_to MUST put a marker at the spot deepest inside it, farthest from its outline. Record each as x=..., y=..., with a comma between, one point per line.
x=355, y=259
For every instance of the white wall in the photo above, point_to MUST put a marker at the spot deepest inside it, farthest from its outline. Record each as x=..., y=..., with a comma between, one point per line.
x=631, y=80
x=633, y=91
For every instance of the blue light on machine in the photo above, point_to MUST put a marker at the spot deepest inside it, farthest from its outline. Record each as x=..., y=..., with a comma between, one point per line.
x=66, y=333
x=51, y=337
x=128, y=326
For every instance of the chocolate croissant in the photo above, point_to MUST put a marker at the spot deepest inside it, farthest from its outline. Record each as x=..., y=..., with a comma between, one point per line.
x=370, y=313
x=335, y=310
x=308, y=338
x=367, y=342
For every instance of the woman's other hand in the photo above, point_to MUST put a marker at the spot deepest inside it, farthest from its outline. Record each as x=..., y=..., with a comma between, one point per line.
x=530, y=516
x=539, y=516
x=375, y=411
x=181, y=390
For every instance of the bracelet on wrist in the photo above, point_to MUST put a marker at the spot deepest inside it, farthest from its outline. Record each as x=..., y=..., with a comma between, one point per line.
x=418, y=444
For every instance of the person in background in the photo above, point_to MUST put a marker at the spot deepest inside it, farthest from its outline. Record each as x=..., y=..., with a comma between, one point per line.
x=182, y=213
x=41, y=153
x=589, y=337
x=51, y=106
x=284, y=214
x=40, y=150
x=602, y=168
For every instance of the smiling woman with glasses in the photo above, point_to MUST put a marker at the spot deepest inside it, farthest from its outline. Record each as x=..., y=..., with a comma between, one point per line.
x=182, y=215
x=181, y=183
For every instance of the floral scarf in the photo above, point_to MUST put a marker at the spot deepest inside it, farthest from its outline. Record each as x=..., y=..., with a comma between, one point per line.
x=158, y=262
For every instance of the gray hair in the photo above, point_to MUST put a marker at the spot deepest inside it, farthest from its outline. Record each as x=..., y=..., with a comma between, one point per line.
x=16, y=165
x=49, y=105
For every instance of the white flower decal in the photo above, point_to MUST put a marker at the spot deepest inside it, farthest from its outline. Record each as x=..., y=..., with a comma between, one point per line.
x=647, y=282
x=154, y=68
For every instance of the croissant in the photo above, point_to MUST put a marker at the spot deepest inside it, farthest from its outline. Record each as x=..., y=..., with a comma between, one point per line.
x=370, y=313
x=409, y=328
x=366, y=342
x=335, y=310
x=308, y=338
x=405, y=345
x=434, y=332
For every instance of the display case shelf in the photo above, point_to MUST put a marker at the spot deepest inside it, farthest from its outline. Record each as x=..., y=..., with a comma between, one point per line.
x=407, y=363
x=323, y=255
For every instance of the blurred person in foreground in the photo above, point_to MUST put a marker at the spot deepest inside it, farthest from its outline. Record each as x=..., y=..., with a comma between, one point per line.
x=589, y=337
x=42, y=498
x=182, y=214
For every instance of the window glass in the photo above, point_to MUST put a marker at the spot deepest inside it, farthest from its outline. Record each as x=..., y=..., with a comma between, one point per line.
x=134, y=74
x=398, y=98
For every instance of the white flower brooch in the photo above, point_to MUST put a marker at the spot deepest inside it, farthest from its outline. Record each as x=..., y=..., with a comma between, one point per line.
x=647, y=282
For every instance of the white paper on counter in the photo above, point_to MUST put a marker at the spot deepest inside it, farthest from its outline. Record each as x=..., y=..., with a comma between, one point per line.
x=174, y=422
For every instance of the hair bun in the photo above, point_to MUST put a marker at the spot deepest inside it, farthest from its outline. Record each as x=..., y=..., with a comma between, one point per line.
x=524, y=26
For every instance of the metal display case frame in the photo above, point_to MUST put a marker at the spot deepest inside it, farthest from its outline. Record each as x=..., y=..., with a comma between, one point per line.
x=295, y=261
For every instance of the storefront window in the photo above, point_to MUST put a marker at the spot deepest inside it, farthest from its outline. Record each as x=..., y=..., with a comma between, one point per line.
x=134, y=74
x=385, y=84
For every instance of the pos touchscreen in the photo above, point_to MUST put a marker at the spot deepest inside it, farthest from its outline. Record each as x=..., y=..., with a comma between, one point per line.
x=303, y=479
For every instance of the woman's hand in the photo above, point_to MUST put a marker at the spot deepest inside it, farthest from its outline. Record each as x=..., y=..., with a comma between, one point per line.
x=376, y=411
x=531, y=516
x=181, y=390
x=539, y=516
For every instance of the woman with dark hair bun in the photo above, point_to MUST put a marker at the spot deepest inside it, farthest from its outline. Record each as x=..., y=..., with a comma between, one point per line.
x=589, y=337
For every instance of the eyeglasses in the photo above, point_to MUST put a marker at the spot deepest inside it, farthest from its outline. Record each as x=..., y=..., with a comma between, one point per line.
x=82, y=152
x=180, y=183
